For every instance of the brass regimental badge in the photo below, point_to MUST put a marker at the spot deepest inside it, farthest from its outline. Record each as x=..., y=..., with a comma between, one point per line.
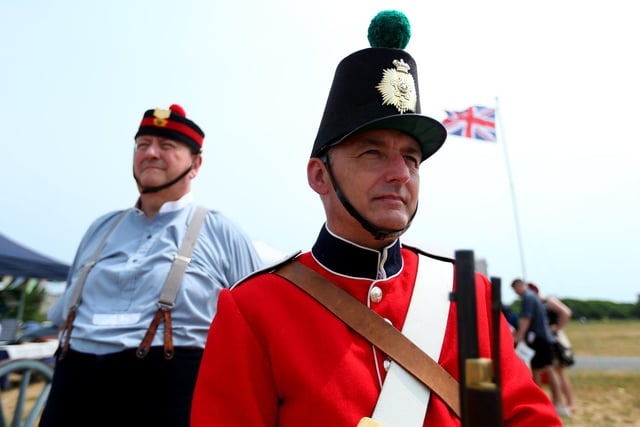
x=160, y=117
x=398, y=88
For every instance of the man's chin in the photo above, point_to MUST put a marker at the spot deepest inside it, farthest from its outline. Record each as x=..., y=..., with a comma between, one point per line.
x=392, y=225
x=152, y=177
x=151, y=183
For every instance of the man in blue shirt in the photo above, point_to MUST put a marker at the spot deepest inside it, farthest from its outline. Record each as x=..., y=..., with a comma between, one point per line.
x=533, y=328
x=132, y=333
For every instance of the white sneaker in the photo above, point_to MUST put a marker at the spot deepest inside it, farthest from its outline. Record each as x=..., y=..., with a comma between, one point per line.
x=563, y=411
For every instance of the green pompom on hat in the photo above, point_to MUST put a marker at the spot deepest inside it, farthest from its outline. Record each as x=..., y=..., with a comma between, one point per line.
x=389, y=28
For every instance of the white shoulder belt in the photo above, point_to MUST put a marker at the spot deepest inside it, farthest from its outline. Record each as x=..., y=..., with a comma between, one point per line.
x=403, y=399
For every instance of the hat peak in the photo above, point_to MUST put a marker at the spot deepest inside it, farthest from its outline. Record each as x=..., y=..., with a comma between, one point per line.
x=390, y=29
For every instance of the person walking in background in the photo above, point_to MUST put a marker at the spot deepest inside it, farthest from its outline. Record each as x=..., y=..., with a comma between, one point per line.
x=142, y=291
x=275, y=356
x=558, y=315
x=533, y=329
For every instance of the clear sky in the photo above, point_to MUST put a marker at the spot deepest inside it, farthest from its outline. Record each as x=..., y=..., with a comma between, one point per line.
x=76, y=77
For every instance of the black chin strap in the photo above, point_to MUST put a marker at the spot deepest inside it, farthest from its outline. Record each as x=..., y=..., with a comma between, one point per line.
x=146, y=190
x=376, y=232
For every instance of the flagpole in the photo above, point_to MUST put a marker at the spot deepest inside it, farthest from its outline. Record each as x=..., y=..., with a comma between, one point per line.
x=514, y=205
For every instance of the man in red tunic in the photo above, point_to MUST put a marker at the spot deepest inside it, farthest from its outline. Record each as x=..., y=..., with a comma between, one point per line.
x=277, y=357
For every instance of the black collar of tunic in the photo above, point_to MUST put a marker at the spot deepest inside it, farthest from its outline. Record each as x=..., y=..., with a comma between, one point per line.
x=344, y=257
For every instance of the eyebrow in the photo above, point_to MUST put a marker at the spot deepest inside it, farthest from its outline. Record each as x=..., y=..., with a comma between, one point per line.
x=373, y=141
x=160, y=139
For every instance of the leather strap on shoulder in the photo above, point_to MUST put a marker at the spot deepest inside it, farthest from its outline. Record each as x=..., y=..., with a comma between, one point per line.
x=376, y=330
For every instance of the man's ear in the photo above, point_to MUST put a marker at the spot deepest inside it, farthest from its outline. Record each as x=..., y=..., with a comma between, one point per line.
x=197, y=162
x=318, y=176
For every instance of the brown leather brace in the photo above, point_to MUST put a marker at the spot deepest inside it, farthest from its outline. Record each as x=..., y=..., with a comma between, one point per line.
x=168, y=335
x=66, y=332
x=145, y=345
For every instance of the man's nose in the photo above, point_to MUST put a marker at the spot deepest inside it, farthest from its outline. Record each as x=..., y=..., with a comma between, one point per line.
x=152, y=149
x=398, y=169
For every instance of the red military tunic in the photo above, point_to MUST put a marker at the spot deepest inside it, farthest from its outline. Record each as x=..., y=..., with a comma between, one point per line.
x=276, y=357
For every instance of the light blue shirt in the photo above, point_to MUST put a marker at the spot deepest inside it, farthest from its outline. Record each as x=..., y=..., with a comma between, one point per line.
x=120, y=295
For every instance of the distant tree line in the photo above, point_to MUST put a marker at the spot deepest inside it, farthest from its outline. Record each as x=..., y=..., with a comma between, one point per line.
x=595, y=309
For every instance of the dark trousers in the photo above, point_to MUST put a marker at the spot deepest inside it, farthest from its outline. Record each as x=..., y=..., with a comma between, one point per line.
x=122, y=390
x=544, y=353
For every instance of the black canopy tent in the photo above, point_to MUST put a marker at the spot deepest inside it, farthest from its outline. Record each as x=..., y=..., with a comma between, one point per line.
x=19, y=261
x=19, y=268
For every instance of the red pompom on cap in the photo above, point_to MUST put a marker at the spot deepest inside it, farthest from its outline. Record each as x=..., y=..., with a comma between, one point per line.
x=178, y=109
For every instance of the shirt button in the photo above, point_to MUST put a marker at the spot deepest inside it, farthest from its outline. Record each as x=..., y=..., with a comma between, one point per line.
x=375, y=295
x=387, y=364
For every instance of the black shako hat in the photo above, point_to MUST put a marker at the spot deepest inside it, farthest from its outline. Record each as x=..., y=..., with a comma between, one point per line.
x=172, y=124
x=377, y=88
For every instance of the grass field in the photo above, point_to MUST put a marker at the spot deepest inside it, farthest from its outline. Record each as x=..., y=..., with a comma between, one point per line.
x=603, y=399
x=605, y=338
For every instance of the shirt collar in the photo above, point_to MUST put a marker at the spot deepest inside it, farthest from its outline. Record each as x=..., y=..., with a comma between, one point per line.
x=347, y=258
x=174, y=205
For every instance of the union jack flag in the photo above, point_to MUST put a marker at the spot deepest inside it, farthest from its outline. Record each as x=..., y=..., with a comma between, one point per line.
x=475, y=122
